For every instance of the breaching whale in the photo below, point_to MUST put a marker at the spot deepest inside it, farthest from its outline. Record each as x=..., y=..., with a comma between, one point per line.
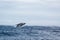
x=20, y=24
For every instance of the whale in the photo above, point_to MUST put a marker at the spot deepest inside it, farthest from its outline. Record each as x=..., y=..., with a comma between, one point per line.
x=20, y=24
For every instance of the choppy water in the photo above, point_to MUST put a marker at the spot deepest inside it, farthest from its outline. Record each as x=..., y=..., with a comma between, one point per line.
x=29, y=33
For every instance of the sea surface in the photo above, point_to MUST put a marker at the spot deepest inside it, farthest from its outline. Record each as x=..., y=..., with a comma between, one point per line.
x=8, y=32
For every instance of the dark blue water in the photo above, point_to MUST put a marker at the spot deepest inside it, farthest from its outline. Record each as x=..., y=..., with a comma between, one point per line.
x=8, y=32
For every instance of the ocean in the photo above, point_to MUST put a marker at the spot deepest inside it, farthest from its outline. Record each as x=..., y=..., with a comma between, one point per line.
x=8, y=32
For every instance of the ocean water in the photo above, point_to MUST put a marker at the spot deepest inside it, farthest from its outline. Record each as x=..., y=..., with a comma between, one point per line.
x=29, y=33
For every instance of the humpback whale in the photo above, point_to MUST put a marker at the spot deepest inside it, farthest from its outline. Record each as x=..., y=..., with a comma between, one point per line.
x=20, y=24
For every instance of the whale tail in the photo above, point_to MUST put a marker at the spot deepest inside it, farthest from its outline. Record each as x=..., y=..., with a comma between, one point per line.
x=20, y=24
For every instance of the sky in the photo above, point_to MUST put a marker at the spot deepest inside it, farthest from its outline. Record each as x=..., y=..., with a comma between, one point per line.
x=32, y=12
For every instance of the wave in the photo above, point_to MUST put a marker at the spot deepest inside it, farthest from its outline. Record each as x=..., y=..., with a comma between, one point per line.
x=11, y=30
x=30, y=32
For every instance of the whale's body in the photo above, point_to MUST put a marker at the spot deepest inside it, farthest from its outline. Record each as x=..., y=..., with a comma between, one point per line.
x=20, y=24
